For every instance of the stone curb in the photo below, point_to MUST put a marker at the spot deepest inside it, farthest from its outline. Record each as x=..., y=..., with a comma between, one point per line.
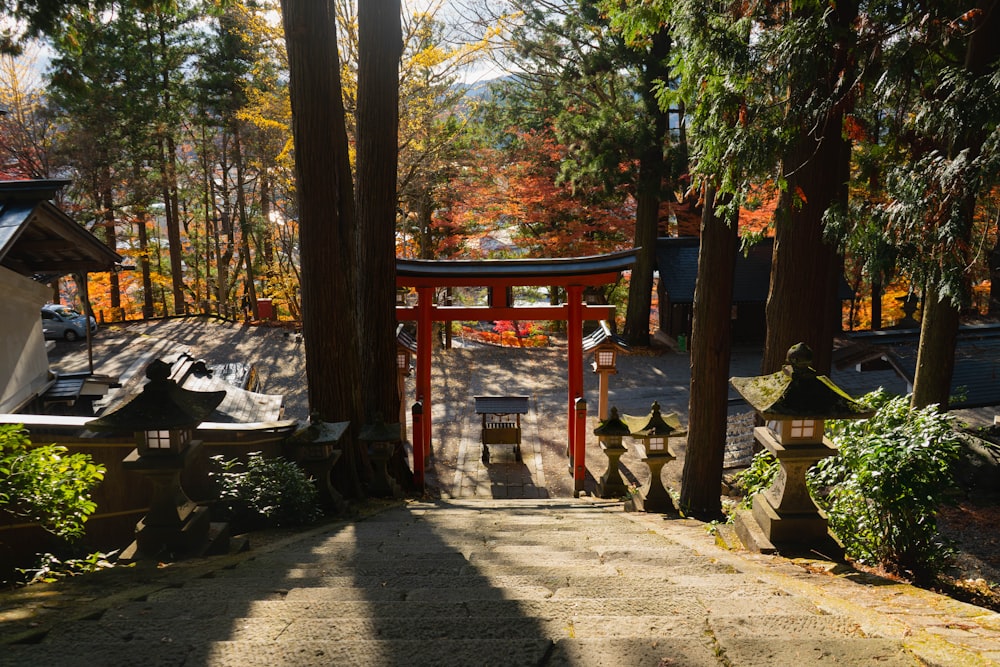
x=68, y=603
x=786, y=574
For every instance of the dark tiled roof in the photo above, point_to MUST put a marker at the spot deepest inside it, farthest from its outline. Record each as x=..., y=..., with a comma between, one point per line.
x=37, y=238
x=677, y=262
x=975, y=381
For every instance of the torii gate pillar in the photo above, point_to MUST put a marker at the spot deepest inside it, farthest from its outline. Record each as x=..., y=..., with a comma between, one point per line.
x=574, y=362
x=425, y=302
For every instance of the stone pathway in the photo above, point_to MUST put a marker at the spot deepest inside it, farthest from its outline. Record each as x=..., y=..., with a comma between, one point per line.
x=504, y=568
x=518, y=582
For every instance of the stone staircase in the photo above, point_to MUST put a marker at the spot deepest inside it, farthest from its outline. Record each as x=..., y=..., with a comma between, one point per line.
x=476, y=582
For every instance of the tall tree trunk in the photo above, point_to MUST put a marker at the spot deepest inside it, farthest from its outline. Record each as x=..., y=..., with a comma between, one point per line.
x=107, y=199
x=877, y=291
x=224, y=251
x=803, y=283
x=939, y=324
x=425, y=238
x=647, y=213
x=326, y=216
x=711, y=342
x=994, y=260
x=168, y=162
x=380, y=45
x=802, y=304
x=241, y=211
x=652, y=167
x=265, y=216
x=935, y=351
x=148, y=310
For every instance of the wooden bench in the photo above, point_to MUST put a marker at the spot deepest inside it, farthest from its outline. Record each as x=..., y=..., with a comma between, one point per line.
x=501, y=422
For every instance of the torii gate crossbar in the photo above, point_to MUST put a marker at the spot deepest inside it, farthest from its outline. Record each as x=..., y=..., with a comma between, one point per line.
x=572, y=274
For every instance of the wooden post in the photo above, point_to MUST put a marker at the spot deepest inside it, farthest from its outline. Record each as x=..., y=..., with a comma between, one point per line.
x=602, y=397
x=580, y=442
x=401, y=388
x=419, y=456
x=574, y=345
x=425, y=347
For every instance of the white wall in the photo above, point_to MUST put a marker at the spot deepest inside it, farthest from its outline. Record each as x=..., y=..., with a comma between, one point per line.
x=24, y=364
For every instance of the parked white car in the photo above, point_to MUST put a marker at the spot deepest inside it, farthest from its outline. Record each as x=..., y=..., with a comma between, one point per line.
x=60, y=321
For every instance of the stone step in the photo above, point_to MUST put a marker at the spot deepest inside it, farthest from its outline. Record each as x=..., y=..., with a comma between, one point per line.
x=294, y=629
x=700, y=651
x=655, y=548
x=554, y=583
x=550, y=580
x=547, y=568
x=325, y=607
x=359, y=652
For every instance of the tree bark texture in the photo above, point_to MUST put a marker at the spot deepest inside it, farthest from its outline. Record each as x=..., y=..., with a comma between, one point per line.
x=326, y=212
x=935, y=352
x=380, y=45
x=802, y=304
x=940, y=320
x=241, y=211
x=652, y=168
x=711, y=341
x=107, y=201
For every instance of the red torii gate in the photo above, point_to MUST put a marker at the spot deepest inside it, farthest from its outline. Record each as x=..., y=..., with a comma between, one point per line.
x=573, y=274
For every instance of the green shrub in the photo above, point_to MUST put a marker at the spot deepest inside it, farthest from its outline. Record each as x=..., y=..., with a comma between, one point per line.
x=52, y=568
x=46, y=484
x=883, y=490
x=758, y=476
x=265, y=492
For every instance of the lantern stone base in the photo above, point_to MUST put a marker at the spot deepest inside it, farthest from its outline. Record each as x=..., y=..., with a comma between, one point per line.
x=319, y=470
x=197, y=537
x=611, y=484
x=766, y=529
x=784, y=516
x=174, y=527
x=382, y=485
x=653, y=496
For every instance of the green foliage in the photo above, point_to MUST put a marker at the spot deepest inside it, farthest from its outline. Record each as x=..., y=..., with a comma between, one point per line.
x=266, y=492
x=758, y=476
x=882, y=492
x=51, y=568
x=46, y=484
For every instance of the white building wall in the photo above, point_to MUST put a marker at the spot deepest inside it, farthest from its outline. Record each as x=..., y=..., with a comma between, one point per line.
x=24, y=364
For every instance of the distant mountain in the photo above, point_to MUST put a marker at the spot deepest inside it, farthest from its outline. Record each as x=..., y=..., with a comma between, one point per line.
x=480, y=89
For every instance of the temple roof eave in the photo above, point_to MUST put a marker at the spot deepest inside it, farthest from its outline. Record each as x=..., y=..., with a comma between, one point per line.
x=595, y=269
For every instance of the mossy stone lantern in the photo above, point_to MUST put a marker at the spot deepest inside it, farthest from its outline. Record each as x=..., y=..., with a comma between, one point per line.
x=381, y=439
x=316, y=449
x=794, y=402
x=653, y=433
x=163, y=418
x=610, y=433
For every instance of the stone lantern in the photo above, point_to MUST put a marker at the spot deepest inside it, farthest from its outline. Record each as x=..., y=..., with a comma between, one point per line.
x=610, y=433
x=381, y=439
x=653, y=434
x=162, y=419
x=315, y=448
x=406, y=347
x=605, y=347
x=794, y=402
